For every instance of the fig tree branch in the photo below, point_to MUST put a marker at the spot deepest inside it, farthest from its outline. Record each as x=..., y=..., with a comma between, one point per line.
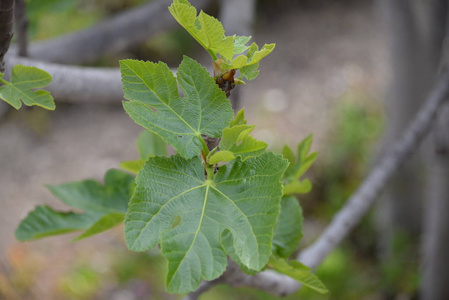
x=360, y=202
x=113, y=35
x=77, y=84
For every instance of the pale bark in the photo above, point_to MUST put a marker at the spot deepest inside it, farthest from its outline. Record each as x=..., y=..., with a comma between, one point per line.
x=77, y=84
x=435, y=263
x=435, y=241
x=114, y=35
x=359, y=203
x=400, y=209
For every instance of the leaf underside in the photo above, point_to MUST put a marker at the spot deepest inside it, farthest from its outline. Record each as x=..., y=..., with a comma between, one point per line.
x=243, y=200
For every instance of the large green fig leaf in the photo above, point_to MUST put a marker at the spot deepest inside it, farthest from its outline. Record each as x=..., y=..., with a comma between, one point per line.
x=175, y=206
x=104, y=207
x=155, y=103
x=24, y=81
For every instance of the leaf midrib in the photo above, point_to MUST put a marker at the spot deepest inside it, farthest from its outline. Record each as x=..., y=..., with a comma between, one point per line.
x=198, y=229
x=163, y=103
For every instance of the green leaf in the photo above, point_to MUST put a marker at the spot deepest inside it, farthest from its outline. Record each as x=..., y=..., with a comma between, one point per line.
x=24, y=80
x=299, y=272
x=207, y=30
x=239, y=118
x=298, y=187
x=252, y=57
x=223, y=156
x=237, y=139
x=243, y=198
x=249, y=70
x=228, y=244
x=240, y=44
x=288, y=231
x=104, y=223
x=288, y=154
x=132, y=166
x=304, y=147
x=150, y=144
x=297, y=167
x=102, y=206
x=43, y=221
x=155, y=103
x=90, y=195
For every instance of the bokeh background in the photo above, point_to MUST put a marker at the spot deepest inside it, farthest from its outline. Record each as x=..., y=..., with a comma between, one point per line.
x=327, y=76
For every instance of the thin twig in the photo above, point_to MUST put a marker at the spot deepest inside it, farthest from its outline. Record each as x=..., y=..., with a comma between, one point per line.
x=373, y=185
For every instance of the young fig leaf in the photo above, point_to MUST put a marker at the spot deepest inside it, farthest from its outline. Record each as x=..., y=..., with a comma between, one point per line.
x=207, y=30
x=24, y=81
x=237, y=139
x=297, y=167
x=239, y=118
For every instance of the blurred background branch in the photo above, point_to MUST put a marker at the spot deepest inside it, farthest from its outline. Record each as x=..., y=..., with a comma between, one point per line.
x=114, y=35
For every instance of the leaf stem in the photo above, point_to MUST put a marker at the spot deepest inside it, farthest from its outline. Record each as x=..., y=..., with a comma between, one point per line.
x=210, y=172
x=205, y=148
x=212, y=54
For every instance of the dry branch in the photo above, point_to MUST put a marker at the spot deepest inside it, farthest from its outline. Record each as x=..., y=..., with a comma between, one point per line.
x=113, y=35
x=359, y=203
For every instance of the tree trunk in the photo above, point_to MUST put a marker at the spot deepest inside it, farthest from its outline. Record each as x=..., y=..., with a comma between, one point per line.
x=400, y=206
x=435, y=263
x=435, y=242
